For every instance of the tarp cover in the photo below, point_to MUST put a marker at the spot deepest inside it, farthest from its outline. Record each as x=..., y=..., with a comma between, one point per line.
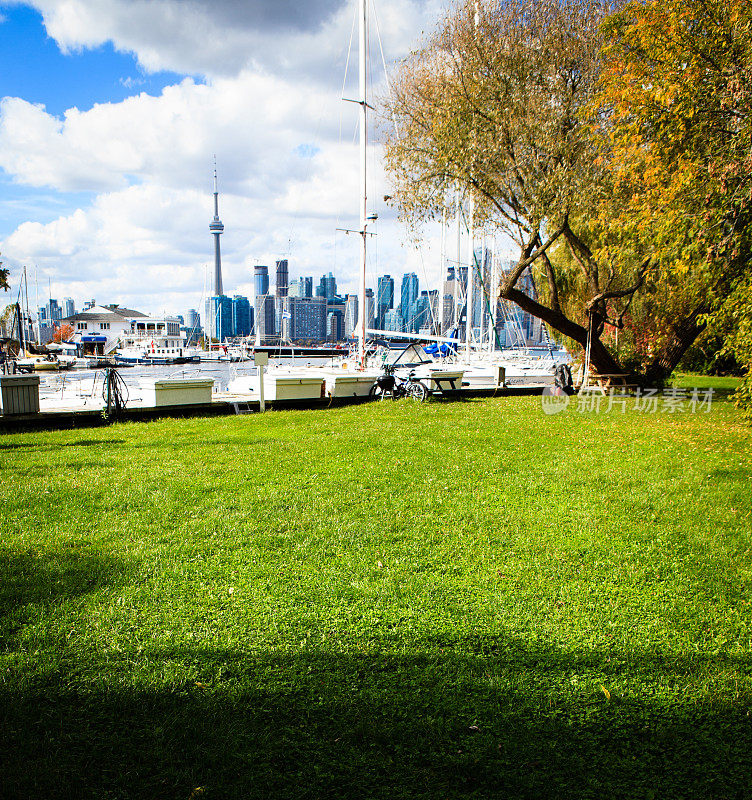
x=439, y=349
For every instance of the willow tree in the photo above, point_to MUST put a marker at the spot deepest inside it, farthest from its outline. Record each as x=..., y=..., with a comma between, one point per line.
x=497, y=103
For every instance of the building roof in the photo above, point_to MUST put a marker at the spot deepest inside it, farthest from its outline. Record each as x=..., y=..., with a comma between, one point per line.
x=105, y=314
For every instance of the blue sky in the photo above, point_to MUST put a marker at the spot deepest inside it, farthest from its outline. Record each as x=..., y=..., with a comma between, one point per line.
x=33, y=67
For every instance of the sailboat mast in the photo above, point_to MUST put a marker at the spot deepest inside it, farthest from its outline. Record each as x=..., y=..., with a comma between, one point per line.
x=363, y=102
x=457, y=308
x=442, y=269
x=470, y=294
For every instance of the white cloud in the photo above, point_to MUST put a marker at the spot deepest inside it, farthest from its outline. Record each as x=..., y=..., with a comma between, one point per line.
x=223, y=37
x=287, y=178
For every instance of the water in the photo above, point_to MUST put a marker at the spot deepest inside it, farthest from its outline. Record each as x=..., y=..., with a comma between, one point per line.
x=84, y=383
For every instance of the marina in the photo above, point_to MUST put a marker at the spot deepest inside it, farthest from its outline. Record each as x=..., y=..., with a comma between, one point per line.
x=84, y=397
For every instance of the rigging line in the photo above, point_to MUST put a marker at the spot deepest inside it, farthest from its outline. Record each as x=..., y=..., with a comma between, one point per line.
x=389, y=86
x=341, y=112
x=431, y=315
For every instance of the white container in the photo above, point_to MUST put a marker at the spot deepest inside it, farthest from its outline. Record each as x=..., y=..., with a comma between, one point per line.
x=281, y=386
x=350, y=384
x=20, y=394
x=177, y=392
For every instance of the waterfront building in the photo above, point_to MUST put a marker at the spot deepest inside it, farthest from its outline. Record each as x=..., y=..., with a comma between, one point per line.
x=384, y=298
x=242, y=316
x=98, y=329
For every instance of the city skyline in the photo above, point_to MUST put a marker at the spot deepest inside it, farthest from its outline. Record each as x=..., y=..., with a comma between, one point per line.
x=107, y=137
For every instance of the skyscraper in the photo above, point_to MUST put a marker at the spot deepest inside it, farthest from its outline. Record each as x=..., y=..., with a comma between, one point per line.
x=264, y=311
x=384, y=298
x=69, y=307
x=261, y=280
x=54, y=312
x=192, y=319
x=370, y=308
x=242, y=314
x=282, y=278
x=327, y=286
x=219, y=312
x=393, y=321
x=264, y=317
x=421, y=318
x=216, y=228
x=307, y=287
x=408, y=296
x=351, y=314
x=335, y=323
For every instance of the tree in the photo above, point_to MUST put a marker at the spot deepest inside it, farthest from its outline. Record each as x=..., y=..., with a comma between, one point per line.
x=4, y=275
x=62, y=333
x=676, y=97
x=497, y=103
x=529, y=106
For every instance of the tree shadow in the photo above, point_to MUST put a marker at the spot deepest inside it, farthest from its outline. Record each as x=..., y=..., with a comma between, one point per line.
x=50, y=576
x=476, y=719
x=42, y=447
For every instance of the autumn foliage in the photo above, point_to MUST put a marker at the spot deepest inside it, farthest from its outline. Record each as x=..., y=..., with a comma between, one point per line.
x=62, y=333
x=676, y=126
x=610, y=141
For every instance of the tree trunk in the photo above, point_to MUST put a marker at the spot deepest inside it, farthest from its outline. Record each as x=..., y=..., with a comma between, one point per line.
x=683, y=335
x=602, y=362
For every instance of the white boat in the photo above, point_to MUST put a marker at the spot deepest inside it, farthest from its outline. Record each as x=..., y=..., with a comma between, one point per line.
x=155, y=341
x=39, y=363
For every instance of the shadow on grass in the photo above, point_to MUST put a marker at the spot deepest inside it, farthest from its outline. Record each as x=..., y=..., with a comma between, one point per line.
x=43, y=447
x=479, y=719
x=51, y=576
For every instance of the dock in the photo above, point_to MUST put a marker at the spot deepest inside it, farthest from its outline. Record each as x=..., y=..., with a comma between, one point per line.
x=62, y=415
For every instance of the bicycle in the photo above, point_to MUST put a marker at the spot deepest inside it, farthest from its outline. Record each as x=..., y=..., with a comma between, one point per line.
x=392, y=386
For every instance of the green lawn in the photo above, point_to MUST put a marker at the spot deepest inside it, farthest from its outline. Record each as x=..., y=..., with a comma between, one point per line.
x=388, y=601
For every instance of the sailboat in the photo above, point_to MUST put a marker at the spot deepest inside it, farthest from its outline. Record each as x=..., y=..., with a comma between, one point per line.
x=348, y=377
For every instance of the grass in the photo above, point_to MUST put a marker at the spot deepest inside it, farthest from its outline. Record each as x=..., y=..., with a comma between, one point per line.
x=384, y=601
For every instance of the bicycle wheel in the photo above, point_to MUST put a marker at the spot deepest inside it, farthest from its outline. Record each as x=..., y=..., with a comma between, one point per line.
x=417, y=391
x=378, y=392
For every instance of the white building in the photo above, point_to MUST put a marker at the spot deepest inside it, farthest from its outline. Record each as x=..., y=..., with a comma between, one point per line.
x=100, y=329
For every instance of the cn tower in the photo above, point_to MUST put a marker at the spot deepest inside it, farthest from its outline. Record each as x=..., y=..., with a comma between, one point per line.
x=216, y=227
